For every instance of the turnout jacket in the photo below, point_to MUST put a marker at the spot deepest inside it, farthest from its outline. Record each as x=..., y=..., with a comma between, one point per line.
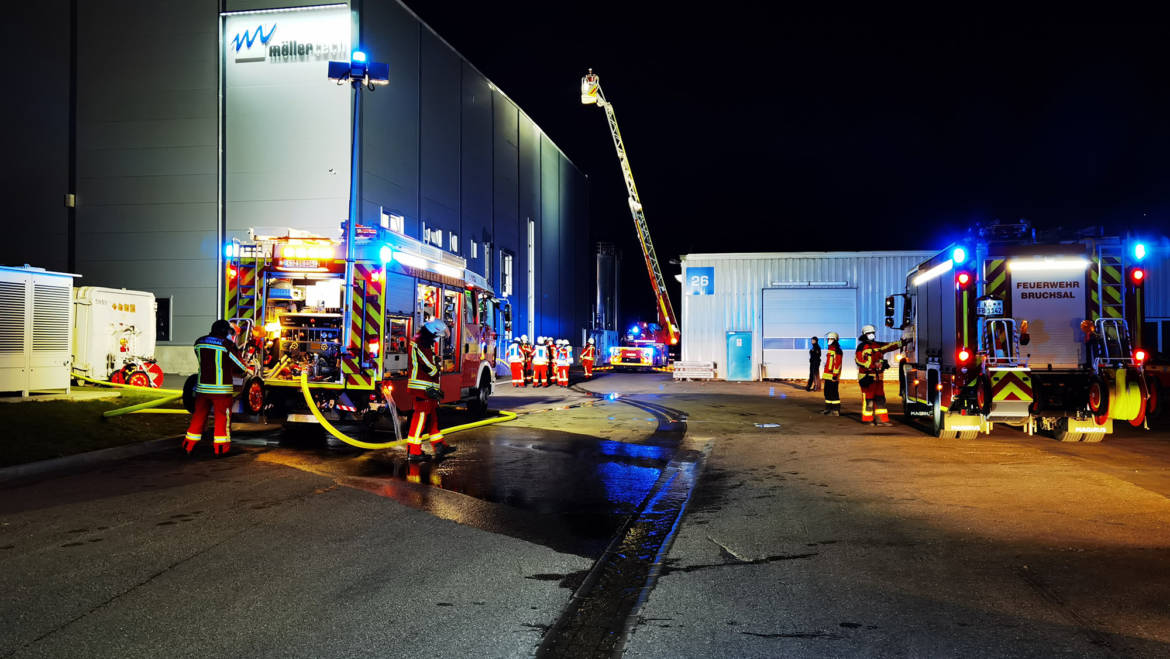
x=424, y=372
x=834, y=360
x=219, y=359
x=869, y=356
x=588, y=353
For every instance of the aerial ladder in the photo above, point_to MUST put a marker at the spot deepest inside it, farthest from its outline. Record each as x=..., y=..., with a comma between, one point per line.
x=591, y=94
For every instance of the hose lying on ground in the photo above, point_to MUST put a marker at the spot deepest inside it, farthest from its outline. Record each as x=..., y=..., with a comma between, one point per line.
x=504, y=416
x=146, y=407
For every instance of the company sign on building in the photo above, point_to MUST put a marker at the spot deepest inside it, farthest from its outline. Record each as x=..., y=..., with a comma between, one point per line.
x=286, y=125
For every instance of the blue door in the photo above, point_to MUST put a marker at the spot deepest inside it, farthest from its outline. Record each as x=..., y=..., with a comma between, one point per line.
x=739, y=355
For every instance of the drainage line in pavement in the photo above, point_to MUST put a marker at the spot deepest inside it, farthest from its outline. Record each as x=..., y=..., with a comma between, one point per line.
x=601, y=613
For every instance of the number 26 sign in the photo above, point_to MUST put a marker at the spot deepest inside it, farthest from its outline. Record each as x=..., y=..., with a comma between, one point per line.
x=700, y=281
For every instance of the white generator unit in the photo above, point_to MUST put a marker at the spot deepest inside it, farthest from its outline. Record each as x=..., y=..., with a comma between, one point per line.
x=114, y=335
x=36, y=323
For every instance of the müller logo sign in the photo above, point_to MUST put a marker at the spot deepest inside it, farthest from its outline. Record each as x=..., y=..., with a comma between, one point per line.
x=256, y=45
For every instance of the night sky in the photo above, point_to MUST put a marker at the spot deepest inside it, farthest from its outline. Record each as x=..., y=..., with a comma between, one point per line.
x=782, y=132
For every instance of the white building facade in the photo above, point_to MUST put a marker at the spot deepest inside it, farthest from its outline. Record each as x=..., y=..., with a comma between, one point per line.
x=754, y=314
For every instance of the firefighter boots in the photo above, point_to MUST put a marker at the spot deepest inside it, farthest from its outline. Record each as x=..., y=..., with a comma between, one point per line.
x=442, y=449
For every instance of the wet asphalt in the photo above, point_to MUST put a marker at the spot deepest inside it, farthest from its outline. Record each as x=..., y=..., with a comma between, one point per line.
x=627, y=516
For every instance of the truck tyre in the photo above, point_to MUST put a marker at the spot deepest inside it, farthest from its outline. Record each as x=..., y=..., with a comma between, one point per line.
x=1062, y=433
x=1098, y=396
x=189, y=392
x=478, y=405
x=1155, y=403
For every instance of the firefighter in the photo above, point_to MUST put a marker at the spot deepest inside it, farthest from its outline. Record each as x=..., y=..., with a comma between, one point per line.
x=564, y=361
x=833, y=363
x=540, y=364
x=588, y=354
x=424, y=384
x=550, y=350
x=814, y=367
x=515, y=357
x=219, y=359
x=526, y=352
x=870, y=366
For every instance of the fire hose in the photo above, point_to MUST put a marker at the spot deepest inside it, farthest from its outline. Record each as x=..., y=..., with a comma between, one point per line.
x=329, y=427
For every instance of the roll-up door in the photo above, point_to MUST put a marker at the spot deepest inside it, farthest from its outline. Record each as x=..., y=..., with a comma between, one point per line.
x=791, y=316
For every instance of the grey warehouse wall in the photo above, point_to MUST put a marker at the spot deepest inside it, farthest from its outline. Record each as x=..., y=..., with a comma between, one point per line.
x=440, y=145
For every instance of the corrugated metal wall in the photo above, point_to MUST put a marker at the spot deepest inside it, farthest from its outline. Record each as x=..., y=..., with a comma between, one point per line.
x=739, y=280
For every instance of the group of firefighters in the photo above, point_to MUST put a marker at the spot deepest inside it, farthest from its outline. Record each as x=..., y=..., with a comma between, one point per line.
x=531, y=363
x=870, y=369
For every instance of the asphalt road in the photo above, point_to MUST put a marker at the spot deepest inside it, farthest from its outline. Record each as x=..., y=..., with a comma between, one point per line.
x=818, y=537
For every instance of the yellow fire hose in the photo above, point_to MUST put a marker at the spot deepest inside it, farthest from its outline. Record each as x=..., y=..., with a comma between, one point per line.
x=504, y=416
x=146, y=406
x=106, y=383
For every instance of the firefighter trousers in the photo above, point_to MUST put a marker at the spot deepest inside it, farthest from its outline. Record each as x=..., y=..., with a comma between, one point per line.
x=221, y=405
x=517, y=373
x=587, y=364
x=832, y=396
x=563, y=376
x=873, y=403
x=424, y=420
x=540, y=374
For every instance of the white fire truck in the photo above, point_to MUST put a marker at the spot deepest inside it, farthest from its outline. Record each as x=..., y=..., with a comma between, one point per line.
x=285, y=292
x=1043, y=336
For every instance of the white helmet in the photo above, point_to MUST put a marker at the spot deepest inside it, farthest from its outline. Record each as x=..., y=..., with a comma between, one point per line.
x=515, y=340
x=832, y=336
x=590, y=341
x=540, y=339
x=868, y=329
x=523, y=338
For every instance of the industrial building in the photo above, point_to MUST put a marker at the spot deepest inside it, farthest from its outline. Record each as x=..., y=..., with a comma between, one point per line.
x=180, y=126
x=753, y=315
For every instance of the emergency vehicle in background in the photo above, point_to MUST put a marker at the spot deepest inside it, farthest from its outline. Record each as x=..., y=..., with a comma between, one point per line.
x=284, y=290
x=114, y=336
x=1046, y=336
x=643, y=347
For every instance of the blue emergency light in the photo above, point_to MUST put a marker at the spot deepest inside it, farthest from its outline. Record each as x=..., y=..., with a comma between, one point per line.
x=229, y=250
x=1139, y=251
x=386, y=254
x=959, y=255
x=635, y=330
x=358, y=56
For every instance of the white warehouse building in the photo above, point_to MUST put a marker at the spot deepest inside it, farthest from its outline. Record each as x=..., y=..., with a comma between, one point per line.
x=753, y=314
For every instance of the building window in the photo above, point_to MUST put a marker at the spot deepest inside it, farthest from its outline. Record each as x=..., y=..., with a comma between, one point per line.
x=432, y=236
x=506, y=273
x=474, y=250
x=454, y=242
x=487, y=261
x=393, y=222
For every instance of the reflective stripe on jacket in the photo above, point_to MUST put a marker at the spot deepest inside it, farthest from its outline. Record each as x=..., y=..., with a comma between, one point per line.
x=424, y=373
x=834, y=360
x=513, y=353
x=589, y=353
x=218, y=359
x=869, y=356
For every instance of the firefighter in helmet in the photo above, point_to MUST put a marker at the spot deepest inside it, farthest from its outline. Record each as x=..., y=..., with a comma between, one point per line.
x=526, y=352
x=832, y=374
x=424, y=384
x=219, y=359
x=870, y=366
x=588, y=355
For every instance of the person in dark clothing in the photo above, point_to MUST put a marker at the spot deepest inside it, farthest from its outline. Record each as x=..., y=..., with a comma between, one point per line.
x=814, y=367
x=219, y=359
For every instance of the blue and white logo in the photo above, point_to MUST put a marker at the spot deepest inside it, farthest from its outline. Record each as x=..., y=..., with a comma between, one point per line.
x=700, y=281
x=243, y=41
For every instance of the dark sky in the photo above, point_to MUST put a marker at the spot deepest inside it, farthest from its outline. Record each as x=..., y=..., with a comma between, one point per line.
x=749, y=131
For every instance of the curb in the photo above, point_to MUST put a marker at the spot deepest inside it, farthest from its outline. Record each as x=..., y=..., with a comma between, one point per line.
x=82, y=461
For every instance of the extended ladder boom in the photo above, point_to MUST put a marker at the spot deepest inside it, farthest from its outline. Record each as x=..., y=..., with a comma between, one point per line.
x=591, y=94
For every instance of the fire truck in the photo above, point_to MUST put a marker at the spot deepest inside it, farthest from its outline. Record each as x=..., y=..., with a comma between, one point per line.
x=285, y=292
x=642, y=348
x=1045, y=336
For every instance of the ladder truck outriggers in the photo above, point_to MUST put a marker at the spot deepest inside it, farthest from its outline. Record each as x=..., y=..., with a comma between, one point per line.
x=285, y=292
x=648, y=350
x=1042, y=336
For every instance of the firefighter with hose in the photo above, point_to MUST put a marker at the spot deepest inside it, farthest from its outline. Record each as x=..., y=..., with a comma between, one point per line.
x=424, y=384
x=870, y=367
x=219, y=359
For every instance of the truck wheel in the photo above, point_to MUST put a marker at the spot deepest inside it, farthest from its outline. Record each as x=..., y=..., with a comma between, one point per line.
x=937, y=423
x=1098, y=396
x=189, y=392
x=983, y=395
x=253, y=395
x=479, y=404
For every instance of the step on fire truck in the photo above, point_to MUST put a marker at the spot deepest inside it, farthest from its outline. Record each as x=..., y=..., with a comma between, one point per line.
x=1043, y=336
x=285, y=294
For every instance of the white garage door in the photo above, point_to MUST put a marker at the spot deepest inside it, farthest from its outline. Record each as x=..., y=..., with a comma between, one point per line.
x=793, y=315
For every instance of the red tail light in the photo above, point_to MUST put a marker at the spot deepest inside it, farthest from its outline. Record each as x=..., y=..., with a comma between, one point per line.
x=963, y=278
x=964, y=356
x=1139, y=355
x=1138, y=276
